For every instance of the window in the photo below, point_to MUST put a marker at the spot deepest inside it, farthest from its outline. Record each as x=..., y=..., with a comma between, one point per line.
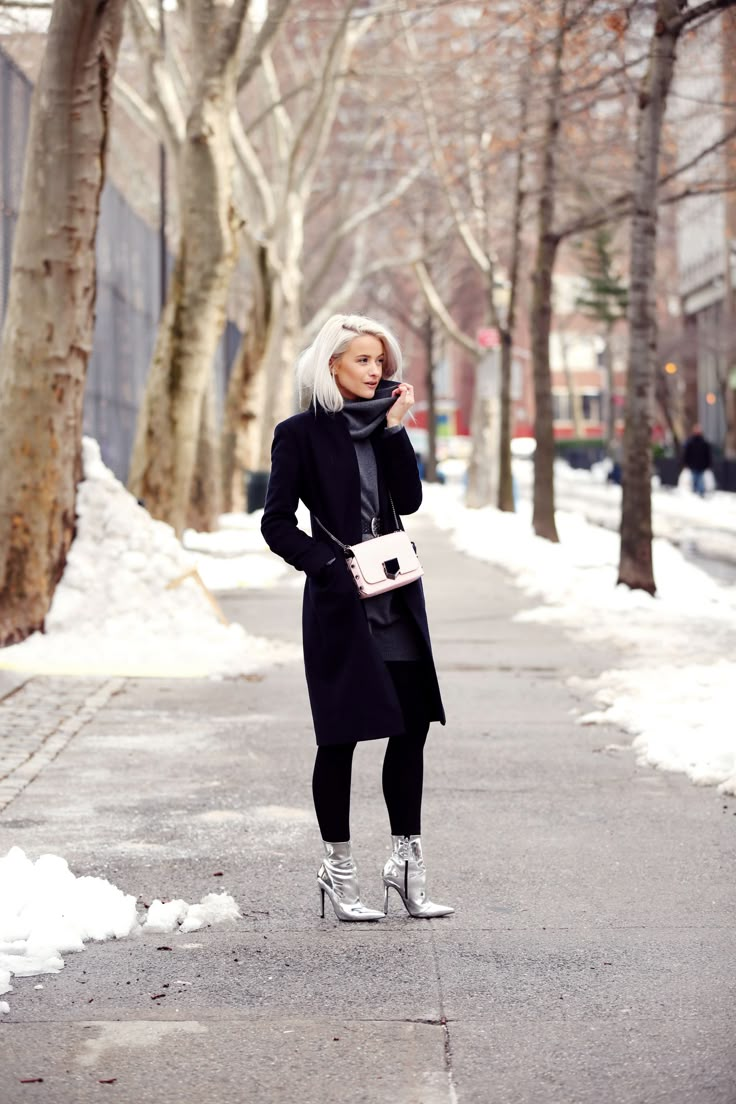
x=590, y=405
x=560, y=406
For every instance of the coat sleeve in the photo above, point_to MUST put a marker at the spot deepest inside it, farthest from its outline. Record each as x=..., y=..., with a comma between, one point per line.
x=278, y=525
x=400, y=470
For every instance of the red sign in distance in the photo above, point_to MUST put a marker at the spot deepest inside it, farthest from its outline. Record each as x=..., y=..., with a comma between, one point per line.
x=488, y=338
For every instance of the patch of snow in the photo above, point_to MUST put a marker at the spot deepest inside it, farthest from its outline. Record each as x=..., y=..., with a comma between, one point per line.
x=164, y=917
x=214, y=908
x=130, y=602
x=47, y=912
x=674, y=687
x=236, y=556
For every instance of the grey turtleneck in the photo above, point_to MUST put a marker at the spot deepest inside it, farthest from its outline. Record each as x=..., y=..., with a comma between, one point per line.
x=389, y=621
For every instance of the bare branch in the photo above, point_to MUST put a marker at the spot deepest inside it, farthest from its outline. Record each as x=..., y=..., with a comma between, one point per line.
x=620, y=206
x=262, y=42
x=438, y=308
x=167, y=103
x=136, y=108
x=318, y=122
x=473, y=246
x=709, y=7
x=349, y=225
x=252, y=169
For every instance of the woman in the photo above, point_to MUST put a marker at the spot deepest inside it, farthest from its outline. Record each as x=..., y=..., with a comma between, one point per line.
x=368, y=662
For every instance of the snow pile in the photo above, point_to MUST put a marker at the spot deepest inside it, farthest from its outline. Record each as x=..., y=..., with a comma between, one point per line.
x=674, y=692
x=704, y=525
x=130, y=602
x=47, y=912
x=236, y=555
x=684, y=729
x=214, y=908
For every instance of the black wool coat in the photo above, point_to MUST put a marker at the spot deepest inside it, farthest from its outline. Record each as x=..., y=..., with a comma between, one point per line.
x=313, y=459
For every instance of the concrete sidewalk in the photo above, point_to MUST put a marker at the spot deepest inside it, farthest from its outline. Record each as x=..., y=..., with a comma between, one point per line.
x=592, y=957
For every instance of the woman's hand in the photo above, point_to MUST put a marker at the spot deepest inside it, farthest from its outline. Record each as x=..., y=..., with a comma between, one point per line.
x=402, y=406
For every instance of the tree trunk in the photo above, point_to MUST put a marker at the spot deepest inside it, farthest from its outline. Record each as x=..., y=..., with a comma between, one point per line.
x=505, y=477
x=635, y=565
x=505, y=474
x=543, y=518
x=430, y=466
x=482, y=489
x=49, y=324
x=610, y=424
x=280, y=386
x=205, y=500
x=241, y=436
x=576, y=413
x=167, y=433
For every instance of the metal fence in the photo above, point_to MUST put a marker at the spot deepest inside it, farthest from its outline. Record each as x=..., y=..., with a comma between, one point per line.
x=128, y=288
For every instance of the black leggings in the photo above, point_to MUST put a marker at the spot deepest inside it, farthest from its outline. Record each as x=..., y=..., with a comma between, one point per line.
x=403, y=767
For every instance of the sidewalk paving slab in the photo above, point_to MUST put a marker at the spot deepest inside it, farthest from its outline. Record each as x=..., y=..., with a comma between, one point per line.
x=591, y=958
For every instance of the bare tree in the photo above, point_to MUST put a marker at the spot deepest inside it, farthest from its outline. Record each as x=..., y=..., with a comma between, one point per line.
x=543, y=518
x=49, y=323
x=279, y=182
x=474, y=216
x=171, y=418
x=635, y=564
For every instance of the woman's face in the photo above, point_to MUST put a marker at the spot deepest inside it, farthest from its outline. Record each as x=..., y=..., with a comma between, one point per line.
x=359, y=369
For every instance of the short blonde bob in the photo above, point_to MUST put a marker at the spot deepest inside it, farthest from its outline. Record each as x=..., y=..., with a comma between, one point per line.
x=315, y=380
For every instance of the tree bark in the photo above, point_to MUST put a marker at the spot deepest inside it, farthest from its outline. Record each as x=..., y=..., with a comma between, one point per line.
x=430, y=466
x=543, y=518
x=505, y=476
x=576, y=413
x=635, y=564
x=281, y=352
x=167, y=433
x=482, y=486
x=241, y=435
x=205, y=499
x=49, y=323
x=610, y=424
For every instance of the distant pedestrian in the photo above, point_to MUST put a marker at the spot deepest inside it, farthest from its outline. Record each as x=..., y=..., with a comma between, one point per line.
x=697, y=456
x=368, y=661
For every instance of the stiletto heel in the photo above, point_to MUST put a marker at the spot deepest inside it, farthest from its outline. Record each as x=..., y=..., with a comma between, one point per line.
x=385, y=900
x=406, y=873
x=338, y=878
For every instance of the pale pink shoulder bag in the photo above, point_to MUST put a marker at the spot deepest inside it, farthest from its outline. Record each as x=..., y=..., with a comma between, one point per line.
x=382, y=563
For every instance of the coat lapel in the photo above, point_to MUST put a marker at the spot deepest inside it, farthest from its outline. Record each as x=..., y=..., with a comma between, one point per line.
x=340, y=474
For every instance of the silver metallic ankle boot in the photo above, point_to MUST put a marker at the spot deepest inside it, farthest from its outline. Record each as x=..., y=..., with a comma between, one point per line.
x=338, y=878
x=406, y=873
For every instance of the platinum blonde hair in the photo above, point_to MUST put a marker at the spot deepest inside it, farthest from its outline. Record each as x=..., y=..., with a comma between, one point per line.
x=315, y=381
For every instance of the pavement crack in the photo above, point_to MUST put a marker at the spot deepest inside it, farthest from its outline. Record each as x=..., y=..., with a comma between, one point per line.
x=15, y=690
x=443, y=1023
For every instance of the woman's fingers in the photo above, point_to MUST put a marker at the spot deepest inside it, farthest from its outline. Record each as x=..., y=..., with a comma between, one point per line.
x=404, y=392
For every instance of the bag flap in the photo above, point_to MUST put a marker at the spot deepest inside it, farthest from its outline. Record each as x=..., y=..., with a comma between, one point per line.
x=371, y=555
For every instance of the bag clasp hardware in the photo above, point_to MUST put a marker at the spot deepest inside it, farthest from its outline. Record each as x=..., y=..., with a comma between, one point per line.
x=391, y=568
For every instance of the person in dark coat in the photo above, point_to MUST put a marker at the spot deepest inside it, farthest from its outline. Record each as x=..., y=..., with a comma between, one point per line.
x=697, y=455
x=368, y=662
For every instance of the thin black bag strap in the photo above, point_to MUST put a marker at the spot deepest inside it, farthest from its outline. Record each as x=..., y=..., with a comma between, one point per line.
x=345, y=547
x=393, y=510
